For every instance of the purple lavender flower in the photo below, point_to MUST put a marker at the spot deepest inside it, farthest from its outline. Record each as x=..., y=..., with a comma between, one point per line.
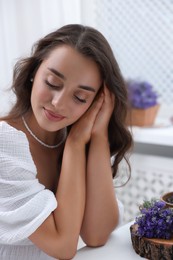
x=141, y=94
x=155, y=220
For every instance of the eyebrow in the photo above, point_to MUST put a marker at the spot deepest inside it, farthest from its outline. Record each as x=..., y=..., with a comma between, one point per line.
x=57, y=73
x=88, y=88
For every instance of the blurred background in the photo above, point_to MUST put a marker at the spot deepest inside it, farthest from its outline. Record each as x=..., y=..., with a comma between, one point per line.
x=141, y=35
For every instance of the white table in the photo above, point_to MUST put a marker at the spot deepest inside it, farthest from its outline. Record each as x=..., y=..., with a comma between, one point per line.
x=118, y=247
x=154, y=135
x=156, y=141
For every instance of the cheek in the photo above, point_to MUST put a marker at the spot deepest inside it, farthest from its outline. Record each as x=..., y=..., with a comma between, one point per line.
x=78, y=112
x=39, y=94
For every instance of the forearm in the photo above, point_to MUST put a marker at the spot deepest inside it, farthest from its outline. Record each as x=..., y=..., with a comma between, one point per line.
x=58, y=234
x=101, y=211
x=71, y=191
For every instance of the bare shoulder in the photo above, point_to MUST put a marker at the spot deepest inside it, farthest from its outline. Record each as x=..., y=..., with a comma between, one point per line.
x=17, y=123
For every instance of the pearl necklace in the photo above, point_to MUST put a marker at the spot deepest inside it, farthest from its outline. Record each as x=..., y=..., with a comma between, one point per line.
x=38, y=140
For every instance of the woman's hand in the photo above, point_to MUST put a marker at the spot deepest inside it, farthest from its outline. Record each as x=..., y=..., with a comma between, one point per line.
x=81, y=130
x=103, y=116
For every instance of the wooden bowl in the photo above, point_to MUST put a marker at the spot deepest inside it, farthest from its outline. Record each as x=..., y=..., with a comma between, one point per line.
x=167, y=197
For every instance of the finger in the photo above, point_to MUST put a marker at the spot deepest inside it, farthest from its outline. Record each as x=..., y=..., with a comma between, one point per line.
x=113, y=98
x=107, y=92
x=109, y=96
x=94, y=108
x=98, y=103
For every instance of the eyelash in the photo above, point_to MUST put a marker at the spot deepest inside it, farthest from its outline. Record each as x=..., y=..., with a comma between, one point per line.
x=76, y=97
x=50, y=85
x=80, y=99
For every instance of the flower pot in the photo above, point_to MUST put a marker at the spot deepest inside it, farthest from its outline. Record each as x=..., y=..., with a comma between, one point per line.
x=142, y=117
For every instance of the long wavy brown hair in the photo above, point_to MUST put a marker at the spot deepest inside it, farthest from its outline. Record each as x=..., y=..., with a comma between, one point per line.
x=91, y=43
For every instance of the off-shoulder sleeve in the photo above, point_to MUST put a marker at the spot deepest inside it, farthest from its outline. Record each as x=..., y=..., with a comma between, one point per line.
x=24, y=202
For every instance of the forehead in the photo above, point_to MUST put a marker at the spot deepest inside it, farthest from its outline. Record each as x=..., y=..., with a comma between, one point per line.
x=74, y=65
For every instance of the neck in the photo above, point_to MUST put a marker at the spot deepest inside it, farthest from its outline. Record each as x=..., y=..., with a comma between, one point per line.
x=49, y=143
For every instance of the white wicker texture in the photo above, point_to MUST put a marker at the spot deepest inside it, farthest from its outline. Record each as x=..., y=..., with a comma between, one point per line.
x=151, y=177
x=141, y=35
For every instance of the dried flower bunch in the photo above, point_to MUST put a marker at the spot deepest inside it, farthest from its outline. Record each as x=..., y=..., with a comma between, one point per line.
x=141, y=94
x=155, y=220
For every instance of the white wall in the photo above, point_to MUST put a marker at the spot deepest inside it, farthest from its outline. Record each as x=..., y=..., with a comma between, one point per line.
x=140, y=33
x=23, y=22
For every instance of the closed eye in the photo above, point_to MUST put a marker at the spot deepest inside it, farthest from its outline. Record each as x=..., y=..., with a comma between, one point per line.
x=52, y=86
x=80, y=99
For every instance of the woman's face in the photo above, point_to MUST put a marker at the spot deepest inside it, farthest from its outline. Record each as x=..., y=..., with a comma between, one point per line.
x=64, y=87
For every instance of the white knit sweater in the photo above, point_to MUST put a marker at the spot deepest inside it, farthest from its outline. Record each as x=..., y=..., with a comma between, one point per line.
x=24, y=202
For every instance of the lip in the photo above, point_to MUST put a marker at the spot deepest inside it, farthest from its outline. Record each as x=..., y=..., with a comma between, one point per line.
x=52, y=116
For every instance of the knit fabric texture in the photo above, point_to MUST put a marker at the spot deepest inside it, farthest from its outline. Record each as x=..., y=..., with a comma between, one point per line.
x=24, y=202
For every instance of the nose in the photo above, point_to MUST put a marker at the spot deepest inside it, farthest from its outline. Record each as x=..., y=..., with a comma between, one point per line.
x=59, y=99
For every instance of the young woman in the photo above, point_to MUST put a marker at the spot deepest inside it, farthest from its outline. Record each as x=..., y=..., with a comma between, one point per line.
x=55, y=147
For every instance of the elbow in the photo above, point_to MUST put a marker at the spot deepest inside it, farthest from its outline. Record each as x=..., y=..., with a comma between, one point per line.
x=97, y=238
x=71, y=254
x=95, y=244
x=95, y=241
x=67, y=255
x=67, y=252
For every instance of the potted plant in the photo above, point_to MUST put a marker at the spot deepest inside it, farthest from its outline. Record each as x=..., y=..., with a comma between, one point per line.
x=143, y=103
x=152, y=231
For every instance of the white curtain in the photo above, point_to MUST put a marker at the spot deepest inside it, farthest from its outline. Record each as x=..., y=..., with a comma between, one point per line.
x=23, y=22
